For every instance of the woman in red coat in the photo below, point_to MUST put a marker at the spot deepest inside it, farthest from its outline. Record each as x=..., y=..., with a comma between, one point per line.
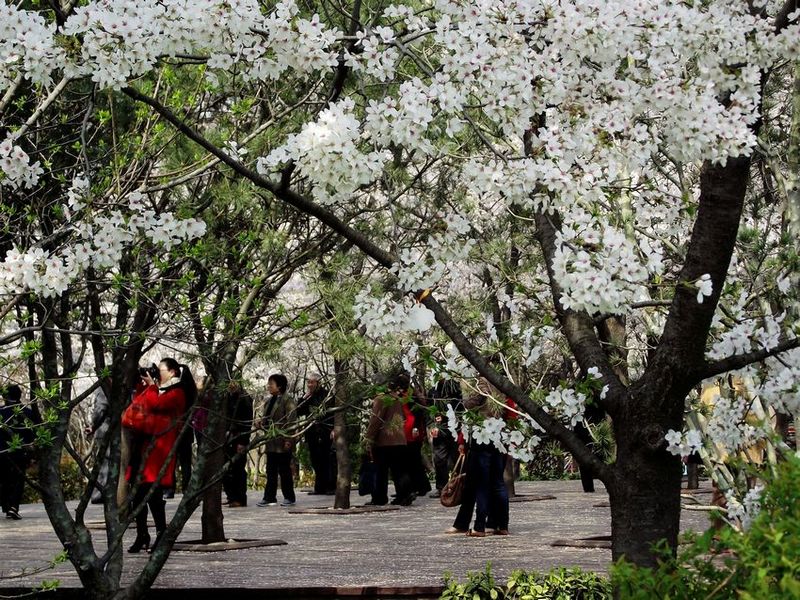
x=152, y=468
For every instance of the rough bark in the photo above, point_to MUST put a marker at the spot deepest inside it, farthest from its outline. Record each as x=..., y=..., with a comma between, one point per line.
x=344, y=473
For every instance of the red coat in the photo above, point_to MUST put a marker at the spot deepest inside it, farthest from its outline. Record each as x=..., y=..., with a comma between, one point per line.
x=169, y=405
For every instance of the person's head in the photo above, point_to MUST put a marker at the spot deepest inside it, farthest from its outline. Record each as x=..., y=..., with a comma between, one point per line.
x=168, y=368
x=277, y=384
x=399, y=382
x=312, y=382
x=13, y=394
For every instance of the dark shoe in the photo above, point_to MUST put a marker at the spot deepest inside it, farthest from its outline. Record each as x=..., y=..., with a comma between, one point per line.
x=265, y=502
x=236, y=504
x=96, y=500
x=142, y=541
x=407, y=501
x=435, y=494
x=169, y=494
x=13, y=513
x=285, y=503
x=371, y=503
x=501, y=532
x=314, y=493
x=159, y=535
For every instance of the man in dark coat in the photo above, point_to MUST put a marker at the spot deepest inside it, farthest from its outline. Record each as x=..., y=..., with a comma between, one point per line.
x=239, y=408
x=16, y=447
x=319, y=435
x=445, y=449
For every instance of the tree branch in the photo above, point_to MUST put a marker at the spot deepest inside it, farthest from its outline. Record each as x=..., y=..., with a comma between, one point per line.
x=739, y=361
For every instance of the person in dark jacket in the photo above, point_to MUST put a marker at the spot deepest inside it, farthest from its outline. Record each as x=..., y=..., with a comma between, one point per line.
x=280, y=414
x=239, y=407
x=319, y=435
x=445, y=448
x=17, y=423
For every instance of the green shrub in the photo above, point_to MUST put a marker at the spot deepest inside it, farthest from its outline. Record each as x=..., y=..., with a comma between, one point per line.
x=558, y=584
x=761, y=564
x=72, y=481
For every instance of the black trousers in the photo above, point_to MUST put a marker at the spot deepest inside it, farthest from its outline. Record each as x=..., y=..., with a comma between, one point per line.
x=12, y=478
x=322, y=461
x=279, y=464
x=184, y=456
x=235, y=481
x=156, y=504
x=391, y=458
x=445, y=453
x=416, y=470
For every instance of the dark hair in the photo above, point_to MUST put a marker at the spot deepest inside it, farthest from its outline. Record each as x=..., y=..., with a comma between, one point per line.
x=187, y=382
x=13, y=393
x=399, y=381
x=280, y=381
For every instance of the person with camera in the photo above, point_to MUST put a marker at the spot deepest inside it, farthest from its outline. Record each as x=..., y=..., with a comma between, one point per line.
x=155, y=417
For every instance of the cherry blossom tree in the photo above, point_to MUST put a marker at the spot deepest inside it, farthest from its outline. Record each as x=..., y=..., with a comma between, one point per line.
x=618, y=137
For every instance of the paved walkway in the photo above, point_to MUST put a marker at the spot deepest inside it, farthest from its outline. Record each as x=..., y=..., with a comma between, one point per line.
x=401, y=548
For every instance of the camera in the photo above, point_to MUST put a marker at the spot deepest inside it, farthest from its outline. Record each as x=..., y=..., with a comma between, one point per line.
x=152, y=370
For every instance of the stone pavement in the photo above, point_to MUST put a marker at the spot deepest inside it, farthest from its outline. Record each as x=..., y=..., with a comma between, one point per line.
x=402, y=548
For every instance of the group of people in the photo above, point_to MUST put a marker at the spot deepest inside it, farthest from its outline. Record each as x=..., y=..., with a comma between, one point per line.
x=167, y=412
x=393, y=444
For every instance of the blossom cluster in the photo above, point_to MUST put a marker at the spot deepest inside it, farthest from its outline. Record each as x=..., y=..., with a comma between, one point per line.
x=745, y=510
x=683, y=444
x=567, y=403
x=384, y=316
x=99, y=243
x=27, y=47
x=121, y=40
x=419, y=270
x=16, y=167
x=327, y=152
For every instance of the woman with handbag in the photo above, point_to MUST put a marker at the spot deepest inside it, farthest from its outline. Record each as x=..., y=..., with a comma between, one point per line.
x=155, y=419
x=484, y=490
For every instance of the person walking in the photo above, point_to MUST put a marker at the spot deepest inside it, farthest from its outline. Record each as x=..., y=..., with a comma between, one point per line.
x=385, y=442
x=319, y=435
x=16, y=421
x=162, y=406
x=239, y=412
x=279, y=415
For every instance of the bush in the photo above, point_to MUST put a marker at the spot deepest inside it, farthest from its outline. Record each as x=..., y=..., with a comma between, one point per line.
x=761, y=564
x=72, y=481
x=558, y=584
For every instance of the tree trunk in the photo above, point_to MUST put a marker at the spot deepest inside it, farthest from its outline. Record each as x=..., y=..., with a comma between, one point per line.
x=644, y=493
x=212, y=519
x=344, y=473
